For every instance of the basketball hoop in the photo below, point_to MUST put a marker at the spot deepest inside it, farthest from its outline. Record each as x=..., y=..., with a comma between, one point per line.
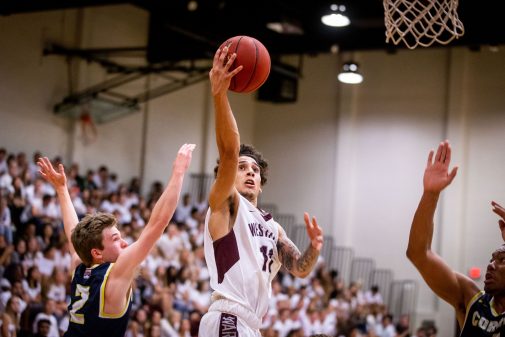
x=88, y=128
x=422, y=22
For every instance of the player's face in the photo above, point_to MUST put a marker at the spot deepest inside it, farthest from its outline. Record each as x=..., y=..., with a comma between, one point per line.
x=113, y=244
x=494, y=283
x=248, y=180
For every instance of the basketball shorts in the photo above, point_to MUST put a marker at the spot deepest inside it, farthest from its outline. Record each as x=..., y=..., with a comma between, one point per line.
x=226, y=318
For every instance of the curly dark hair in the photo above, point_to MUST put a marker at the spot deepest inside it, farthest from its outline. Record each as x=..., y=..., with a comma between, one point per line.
x=250, y=151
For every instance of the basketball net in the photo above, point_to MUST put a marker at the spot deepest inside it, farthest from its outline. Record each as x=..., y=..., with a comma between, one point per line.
x=88, y=128
x=422, y=22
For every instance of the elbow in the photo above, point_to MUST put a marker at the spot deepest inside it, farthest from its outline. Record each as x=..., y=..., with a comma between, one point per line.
x=415, y=256
x=409, y=254
x=302, y=274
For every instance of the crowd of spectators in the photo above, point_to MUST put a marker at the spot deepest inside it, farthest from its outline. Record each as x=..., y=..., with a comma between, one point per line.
x=172, y=290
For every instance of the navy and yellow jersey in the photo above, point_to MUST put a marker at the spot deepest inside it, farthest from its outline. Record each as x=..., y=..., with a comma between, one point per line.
x=87, y=317
x=482, y=319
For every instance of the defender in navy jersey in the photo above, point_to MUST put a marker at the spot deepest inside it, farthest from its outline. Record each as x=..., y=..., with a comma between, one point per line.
x=478, y=313
x=244, y=247
x=104, y=264
x=89, y=283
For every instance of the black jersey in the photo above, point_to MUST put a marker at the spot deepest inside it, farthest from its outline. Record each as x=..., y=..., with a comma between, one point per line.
x=87, y=317
x=482, y=319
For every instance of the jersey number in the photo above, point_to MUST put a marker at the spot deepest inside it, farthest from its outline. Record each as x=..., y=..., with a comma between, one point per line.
x=267, y=258
x=83, y=292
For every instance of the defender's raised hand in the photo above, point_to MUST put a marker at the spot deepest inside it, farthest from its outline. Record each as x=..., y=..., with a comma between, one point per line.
x=55, y=178
x=498, y=209
x=183, y=158
x=436, y=175
x=314, y=232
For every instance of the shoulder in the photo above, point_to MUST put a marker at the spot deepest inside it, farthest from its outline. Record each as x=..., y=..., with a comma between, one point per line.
x=470, y=289
x=104, y=268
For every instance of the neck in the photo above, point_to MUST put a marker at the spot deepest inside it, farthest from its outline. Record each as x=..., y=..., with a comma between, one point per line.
x=251, y=198
x=499, y=303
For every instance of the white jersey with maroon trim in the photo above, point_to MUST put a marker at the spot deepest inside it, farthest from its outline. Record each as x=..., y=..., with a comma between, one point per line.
x=243, y=263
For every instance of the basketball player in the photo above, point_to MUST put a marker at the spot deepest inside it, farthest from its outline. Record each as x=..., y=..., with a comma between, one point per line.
x=104, y=264
x=244, y=246
x=479, y=313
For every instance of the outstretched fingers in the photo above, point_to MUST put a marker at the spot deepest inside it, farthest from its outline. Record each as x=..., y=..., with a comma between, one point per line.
x=442, y=156
x=48, y=172
x=236, y=71
x=61, y=169
x=430, y=158
x=183, y=158
x=306, y=217
x=439, y=152
x=187, y=149
x=223, y=56
x=45, y=166
x=498, y=209
x=453, y=173
x=445, y=145
x=229, y=64
x=314, y=232
x=216, y=55
x=448, y=152
x=443, y=153
x=312, y=227
x=230, y=61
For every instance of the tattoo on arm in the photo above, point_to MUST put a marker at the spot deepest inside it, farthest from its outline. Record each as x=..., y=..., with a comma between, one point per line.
x=308, y=260
x=293, y=260
x=288, y=253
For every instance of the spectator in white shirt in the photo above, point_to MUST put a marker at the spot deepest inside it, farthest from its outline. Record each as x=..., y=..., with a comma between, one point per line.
x=373, y=295
x=32, y=285
x=46, y=262
x=171, y=243
x=12, y=172
x=62, y=258
x=79, y=206
x=48, y=211
x=283, y=325
x=5, y=220
x=48, y=313
x=312, y=323
x=386, y=327
x=183, y=210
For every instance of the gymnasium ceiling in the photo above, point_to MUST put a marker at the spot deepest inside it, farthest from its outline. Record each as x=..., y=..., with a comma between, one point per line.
x=177, y=33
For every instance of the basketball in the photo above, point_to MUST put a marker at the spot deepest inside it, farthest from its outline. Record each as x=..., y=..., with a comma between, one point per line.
x=254, y=57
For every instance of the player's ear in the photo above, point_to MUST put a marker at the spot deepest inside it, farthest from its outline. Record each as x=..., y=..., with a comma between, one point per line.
x=96, y=254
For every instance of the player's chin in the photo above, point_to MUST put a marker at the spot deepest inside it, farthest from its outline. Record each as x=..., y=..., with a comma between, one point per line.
x=248, y=194
x=488, y=288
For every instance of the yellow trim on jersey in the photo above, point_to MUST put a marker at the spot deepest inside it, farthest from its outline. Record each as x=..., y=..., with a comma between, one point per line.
x=493, y=310
x=471, y=302
x=102, y=313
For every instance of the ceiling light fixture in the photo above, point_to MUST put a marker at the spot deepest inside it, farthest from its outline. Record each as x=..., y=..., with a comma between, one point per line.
x=336, y=18
x=192, y=5
x=350, y=74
